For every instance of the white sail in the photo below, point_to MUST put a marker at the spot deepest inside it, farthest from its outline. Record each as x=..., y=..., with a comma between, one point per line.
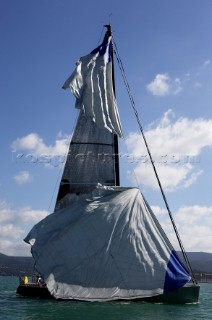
x=105, y=246
x=92, y=85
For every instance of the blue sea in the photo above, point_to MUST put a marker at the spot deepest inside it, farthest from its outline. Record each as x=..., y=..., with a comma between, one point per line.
x=13, y=306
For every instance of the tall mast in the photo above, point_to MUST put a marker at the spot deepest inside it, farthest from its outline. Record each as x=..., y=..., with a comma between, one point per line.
x=116, y=148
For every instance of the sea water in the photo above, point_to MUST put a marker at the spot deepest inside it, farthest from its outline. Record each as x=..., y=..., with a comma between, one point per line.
x=13, y=306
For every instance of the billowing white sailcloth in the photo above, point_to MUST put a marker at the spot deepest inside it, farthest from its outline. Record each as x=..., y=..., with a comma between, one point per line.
x=105, y=246
x=92, y=85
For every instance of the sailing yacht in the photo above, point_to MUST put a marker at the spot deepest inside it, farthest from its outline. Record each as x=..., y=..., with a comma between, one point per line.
x=103, y=241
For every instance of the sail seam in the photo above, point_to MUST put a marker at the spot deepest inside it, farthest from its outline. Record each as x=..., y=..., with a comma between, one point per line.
x=94, y=143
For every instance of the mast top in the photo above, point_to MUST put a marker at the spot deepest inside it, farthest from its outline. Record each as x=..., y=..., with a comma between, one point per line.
x=109, y=30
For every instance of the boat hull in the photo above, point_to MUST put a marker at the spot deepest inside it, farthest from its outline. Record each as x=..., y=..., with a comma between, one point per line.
x=31, y=290
x=187, y=294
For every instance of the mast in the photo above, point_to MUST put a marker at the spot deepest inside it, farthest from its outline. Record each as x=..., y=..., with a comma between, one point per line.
x=116, y=147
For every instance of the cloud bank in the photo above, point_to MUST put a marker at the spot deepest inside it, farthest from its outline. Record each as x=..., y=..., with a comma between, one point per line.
x=32, y=149
x=176, y=147
x=14, y=226
x=34, y=144
x=194, y=224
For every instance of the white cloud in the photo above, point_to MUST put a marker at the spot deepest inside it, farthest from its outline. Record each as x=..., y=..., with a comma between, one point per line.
x=192, y=179
x=197, y=214
x=23, y=177
x=176, y=86
x=32, y=149
x=14, y=248
x=34, y=143
x=163, y=85
x=14, y=226
x=175, y=147
x=172, y=177
x=26, y=214
x=194, y=224
x=206, y=63
x=160, y=85
x=159, y=211
x=9, y=230
x=6, y=213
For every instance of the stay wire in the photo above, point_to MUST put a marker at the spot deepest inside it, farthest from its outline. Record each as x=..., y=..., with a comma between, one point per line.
x=60, y=173
x=121, y=67
x=134, y=174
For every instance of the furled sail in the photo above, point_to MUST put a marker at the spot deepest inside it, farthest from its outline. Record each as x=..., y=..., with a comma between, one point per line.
x=105, y=246
x=92, y=85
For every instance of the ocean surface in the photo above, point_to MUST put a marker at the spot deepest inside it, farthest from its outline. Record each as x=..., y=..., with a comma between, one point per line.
x=13, y=306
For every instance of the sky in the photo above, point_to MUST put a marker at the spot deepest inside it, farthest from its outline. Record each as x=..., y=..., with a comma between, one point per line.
x=166, y=50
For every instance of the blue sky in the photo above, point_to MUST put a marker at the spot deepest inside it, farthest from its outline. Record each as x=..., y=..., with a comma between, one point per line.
x=166, y=49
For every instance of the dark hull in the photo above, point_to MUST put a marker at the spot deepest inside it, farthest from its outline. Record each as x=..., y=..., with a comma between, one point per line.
x=33, y=290
x=188, y=294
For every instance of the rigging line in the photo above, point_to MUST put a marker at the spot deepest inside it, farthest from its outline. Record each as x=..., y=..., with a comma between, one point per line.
x=59, y=176
x=110, y=15
x=100, y=36
x=135, y=177
x=56, y=184
x=121, y=67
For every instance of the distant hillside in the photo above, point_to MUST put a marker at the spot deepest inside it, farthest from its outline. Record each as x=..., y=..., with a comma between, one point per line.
x=200, y=261
x=17, y=266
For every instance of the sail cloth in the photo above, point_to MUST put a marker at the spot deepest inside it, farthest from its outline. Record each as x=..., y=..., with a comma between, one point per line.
x=90, y=160
x=92, y=85
x=107, y=246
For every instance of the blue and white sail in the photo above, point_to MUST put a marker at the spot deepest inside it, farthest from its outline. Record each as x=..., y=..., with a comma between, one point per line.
x=92, y=85
x=105, y=246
